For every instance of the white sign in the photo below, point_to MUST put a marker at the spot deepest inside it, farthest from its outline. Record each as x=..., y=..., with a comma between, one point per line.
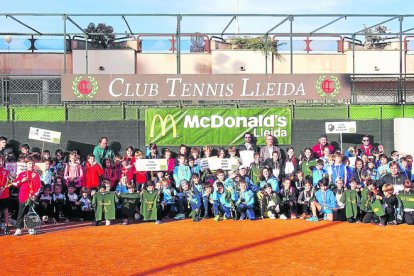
x=352, y=161
x=340, y=127
x=203, y=164
x=247, y=157
x=40, y=167
x=214, y=163
x=151, y=165
x=21, y=167
x=44, y=135
x=229, y=164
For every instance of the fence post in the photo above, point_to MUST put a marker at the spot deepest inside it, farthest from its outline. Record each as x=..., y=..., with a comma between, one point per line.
x=400, y=84
x=291, y=18
x=65, y=106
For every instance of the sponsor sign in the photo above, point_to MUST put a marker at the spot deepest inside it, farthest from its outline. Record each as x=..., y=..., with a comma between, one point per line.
x=198, y=126
x=200, y=87
x=340, y=127
x=151, y=165
x=44, y=135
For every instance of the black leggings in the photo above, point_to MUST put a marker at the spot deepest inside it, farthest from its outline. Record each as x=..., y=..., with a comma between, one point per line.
x=23, y=208
x=369, y=217
x=409, y=218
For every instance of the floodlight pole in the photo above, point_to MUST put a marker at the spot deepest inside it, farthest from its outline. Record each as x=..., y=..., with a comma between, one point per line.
x=291, y=18
x=353, y=68
x=178, y=44
x=266, y=52
x=86, y=54
x=64, y=43
x=402, y=98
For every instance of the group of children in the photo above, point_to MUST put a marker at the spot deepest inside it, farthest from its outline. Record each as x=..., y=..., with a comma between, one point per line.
x=372, y=190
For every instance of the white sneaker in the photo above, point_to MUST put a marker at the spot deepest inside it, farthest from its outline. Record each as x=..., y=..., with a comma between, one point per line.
x=282, y=216
x=18, y=232
x=108, y=222
x=272, y=217
x=157, y=222
x=137, y=216
x=32, y=231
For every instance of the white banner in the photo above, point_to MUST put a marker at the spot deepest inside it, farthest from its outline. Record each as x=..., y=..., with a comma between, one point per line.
x=247, y=157
x=44, y=135
x=340, y=127
x=403, y=135
x=214, y=163
x=151, y=165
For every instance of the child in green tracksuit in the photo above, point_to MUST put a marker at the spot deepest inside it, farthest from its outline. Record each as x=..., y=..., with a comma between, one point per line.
x=406, y=198
x=150, y=203
x=351, y=200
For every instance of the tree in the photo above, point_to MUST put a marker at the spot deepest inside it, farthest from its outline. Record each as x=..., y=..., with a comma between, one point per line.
x=259, y=43
x=374, y=37
x=106, y=40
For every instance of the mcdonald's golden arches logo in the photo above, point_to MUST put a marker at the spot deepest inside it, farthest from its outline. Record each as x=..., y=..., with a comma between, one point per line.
x=163, y=123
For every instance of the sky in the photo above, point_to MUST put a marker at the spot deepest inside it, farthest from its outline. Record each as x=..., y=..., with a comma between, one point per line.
x=204, y=24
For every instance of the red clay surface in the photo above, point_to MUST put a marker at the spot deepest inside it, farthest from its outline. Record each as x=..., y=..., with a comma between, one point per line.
x=228, y=247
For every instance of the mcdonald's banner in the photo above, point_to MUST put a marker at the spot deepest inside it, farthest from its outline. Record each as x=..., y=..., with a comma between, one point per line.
x=196, y=87
x=216, y=126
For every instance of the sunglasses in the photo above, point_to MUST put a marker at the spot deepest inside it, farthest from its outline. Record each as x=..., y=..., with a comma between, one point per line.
x=248, y=137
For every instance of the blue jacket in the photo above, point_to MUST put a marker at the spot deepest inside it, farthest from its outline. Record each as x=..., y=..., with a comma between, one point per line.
x=195, y=200
x=121, y=189
x=330, y=200
x=248, y=197
x=195, y=169
x=272, y=181
x=168, y=195
x=221, y=198
x=374, y=174
x=229, y=183
x=339, y=171
x=318, y=175
x=199, y=188
x=181, y=172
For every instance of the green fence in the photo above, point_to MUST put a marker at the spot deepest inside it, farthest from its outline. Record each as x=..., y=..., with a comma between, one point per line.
x=87, y=113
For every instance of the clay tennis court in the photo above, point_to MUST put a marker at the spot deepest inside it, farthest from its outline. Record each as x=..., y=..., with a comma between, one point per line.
x=226, y=247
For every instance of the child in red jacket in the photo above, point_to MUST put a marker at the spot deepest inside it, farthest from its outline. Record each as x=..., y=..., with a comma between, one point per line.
x=93, y=172
x=29, y=184
x=4, y=195
x=140, y=177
